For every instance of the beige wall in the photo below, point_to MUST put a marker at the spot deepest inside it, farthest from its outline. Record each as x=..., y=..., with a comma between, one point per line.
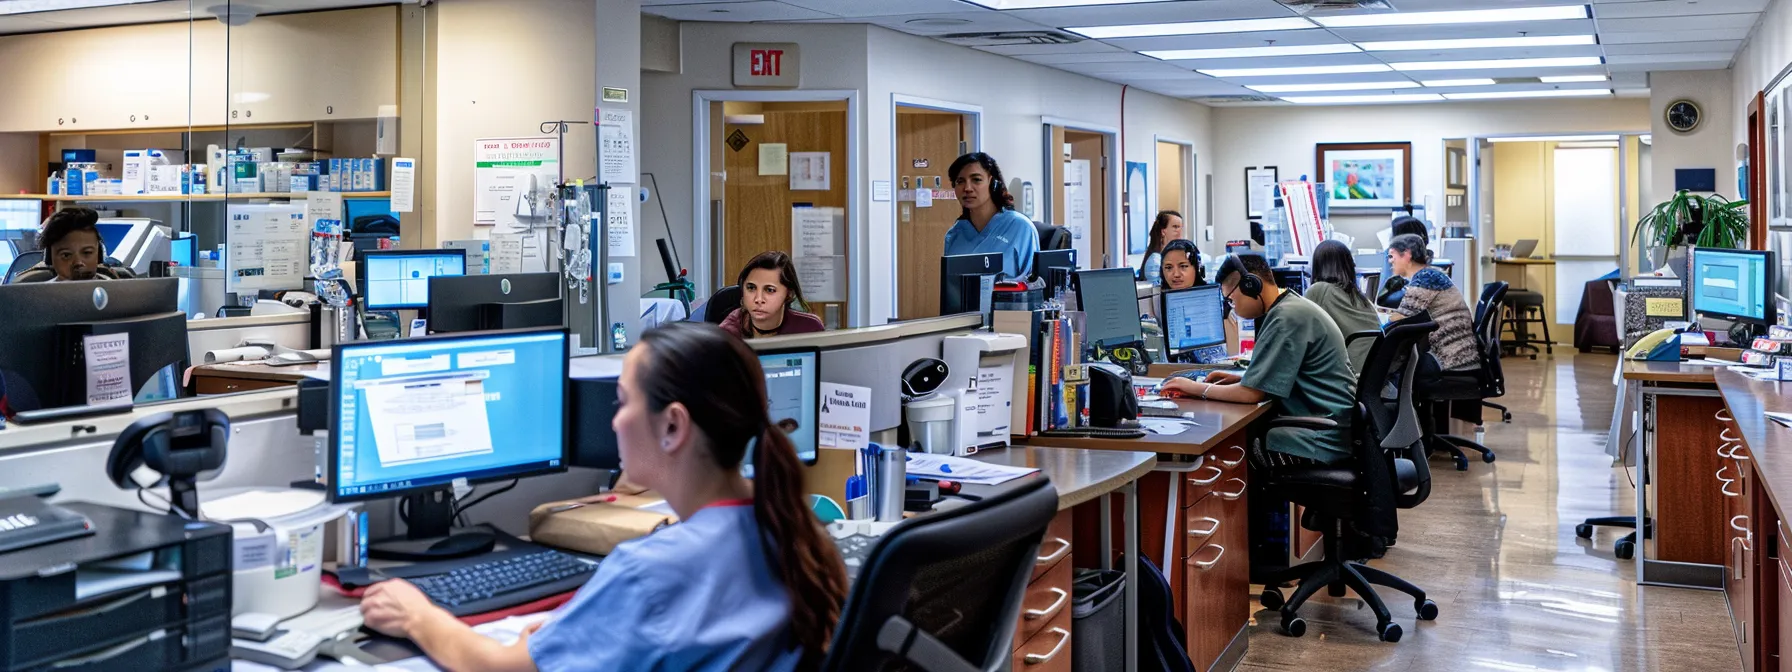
x=1711, y=145
x=1170, y=181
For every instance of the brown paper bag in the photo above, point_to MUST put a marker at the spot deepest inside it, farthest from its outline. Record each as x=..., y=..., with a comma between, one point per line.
x=597, y=526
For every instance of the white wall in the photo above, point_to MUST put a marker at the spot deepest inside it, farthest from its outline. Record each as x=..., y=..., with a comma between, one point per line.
x=1767, y=52
x=1711, y=145
x=1285, y=136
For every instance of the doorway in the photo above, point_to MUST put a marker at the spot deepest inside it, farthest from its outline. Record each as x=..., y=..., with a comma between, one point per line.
x=928, y=139
x=1175, y=191
x=778, y=171
x=1083, y=189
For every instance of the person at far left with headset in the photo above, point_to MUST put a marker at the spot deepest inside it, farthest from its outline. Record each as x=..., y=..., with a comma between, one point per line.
x=1299, y=362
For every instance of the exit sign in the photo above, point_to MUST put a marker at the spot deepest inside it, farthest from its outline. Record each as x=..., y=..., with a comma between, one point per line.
x=767, y=64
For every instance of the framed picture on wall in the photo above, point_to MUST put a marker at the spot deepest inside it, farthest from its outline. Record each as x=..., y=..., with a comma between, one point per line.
x=1455, y=168
x=1365, y=175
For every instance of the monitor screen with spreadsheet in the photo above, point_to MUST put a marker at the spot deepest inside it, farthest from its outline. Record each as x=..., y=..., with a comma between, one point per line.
x=399, y=279
x=1193, y=318
x=418, y=414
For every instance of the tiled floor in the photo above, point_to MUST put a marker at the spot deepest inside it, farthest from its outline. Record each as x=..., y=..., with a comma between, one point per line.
x=1495, y=547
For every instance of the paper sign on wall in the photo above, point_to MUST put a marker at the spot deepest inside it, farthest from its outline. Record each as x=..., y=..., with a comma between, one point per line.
x=505, y=171
x=616, y=145
x=812, y=232
x=774, y=158
x=809, y=171
x=269, y=245
x=108, y=368
x=322, y=205
x=880, y=190
x=845, y=417
x=620, y=216
x=404, y=185
x=507, y=253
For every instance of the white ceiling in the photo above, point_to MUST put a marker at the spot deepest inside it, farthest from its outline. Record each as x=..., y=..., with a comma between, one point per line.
x=1633, y=38
x=25, y=16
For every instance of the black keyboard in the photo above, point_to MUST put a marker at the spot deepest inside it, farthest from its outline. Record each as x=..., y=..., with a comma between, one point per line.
x=498, y=580
x=1094, y=433
x=855, y=550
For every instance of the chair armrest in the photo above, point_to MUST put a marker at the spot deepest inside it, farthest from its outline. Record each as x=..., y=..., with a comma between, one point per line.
x=1351, y=337
x=1303, y=423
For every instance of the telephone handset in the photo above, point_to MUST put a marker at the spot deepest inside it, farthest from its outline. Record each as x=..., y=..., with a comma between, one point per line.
x=1657, y=346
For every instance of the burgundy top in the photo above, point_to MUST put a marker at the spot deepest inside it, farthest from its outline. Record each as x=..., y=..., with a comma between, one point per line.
x=795, y=322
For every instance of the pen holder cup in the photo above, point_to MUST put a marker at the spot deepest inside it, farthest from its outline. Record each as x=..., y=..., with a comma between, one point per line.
x=859, y=509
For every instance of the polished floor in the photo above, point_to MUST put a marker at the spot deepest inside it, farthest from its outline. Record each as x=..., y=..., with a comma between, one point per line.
x=1495, y=547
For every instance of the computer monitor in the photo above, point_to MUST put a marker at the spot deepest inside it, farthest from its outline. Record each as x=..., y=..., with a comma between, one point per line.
x=1732, y=284
x=1045, y=260
x=793, y=390
x=1194, y=318
x=184, y=250
x=399, y=279
x=411, y=416
x=42, y=335
x=966, y=280
x=112, y=235
x=21, y=214
x=505, y=301
x=1110, y=300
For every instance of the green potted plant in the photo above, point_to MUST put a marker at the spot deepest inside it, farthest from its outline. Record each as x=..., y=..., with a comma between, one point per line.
x=1691, y=219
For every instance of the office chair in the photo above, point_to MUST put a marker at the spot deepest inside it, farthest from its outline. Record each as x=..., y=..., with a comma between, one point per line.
x=23, y=261
x=721, y=303
x=1052, y=237
x=1487, y=323
x=942, y=592
x=1358, y=499
x=1444, y=390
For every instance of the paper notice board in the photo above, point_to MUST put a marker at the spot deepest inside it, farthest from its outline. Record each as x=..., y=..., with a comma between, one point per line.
x=505, y=171
x=818, y=244
x=269, y=247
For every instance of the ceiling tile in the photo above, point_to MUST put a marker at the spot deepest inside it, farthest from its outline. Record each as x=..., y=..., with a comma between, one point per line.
x=1678, y=23
x=1323, y=79
x=1688, y=65
x=1282, y=38
x=1485, y=54
x=759, y=10
x=1724, y=46
x=1358, y=58
x=1696, y=57
x=1112, y=57
x=1709, y=35
x=949, y=24
x=1653, y=8
x=1129, y=69
x=1154, y=12
x=1083, y=47
x=864, y=8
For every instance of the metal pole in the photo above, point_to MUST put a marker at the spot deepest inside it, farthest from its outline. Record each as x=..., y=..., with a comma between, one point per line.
x=1131, y=492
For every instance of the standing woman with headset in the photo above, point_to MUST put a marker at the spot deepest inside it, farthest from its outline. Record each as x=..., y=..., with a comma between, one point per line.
x=746, y=581
x=989, y=222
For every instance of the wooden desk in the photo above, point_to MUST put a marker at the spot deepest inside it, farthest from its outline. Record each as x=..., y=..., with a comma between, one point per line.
x=1527, y=274
x=1757, y=458
x=228, y=378
x=1676, y=450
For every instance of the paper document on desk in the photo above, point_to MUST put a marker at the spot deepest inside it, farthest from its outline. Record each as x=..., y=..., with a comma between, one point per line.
x=1785, y=419
x=962, y=469
x=1165, y=426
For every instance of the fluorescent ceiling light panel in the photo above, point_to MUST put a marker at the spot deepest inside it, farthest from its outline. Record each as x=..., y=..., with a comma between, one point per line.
x=1560, y=13
x=1439, y=83
x=1334, y=86
x=1252, y=52
x=1193, y=28
x=32, y=6
x=1499, y=64
x=1553, y=93
x=1556, y=138
x=1482, y=43
x=1344, y=100
x=1043, y=4
x=1306, y=70
x=1572, y=79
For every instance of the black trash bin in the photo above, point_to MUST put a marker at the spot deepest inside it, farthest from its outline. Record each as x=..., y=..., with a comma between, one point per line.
x=1098, y=617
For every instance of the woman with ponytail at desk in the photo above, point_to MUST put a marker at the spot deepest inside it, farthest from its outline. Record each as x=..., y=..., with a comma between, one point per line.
x=747, y=580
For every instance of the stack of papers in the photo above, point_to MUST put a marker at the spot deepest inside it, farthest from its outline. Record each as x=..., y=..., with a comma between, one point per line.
x=946, y=467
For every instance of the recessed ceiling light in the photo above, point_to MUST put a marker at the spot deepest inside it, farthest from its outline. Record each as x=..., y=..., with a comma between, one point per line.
x=1553, y=93
x=1482, y=43
x=1307, y=70
x=1333, y=86
x=1252, y=52
x=1342, y=100
x=1042, y=4
x=937, y=21
x=1555, y=138
x=1192, y=28
x=1572, y=79
x=1566, y=12
x=1499, y=64
x=1438, y=83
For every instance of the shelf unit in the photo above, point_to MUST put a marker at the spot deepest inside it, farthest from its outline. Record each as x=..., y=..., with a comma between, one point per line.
x=177, y=198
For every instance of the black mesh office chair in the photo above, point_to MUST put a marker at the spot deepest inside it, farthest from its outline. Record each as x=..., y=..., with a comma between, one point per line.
x=1357, y=501
x=721, y=303
x=23, y=261
x=1462, y=394
x=1487, y=325
x=1052, y=237
x=942, y=592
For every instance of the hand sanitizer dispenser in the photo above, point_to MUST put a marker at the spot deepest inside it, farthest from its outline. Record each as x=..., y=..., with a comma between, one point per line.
x=990, y=365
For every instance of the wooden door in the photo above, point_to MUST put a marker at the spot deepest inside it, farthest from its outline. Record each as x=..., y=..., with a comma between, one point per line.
x=1091, y=147
x=1757, y=173
x=758, y=207
x=927, y=142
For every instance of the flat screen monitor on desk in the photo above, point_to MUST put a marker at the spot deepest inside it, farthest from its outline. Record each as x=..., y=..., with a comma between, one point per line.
x=1110, y=301
x=399, y=279
x=1732, y=284
x=46, y=324
x=966, y=280
x=21, y=214
x=1193, y=319
x=408, y=418
x=1046, y=260
x=504, y=301
x=793, y=390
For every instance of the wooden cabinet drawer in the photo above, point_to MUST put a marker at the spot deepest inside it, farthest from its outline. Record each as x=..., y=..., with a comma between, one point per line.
x=1048, y=651
x=1056, y=545
x=1222, y=463
x=1217, y=571
x=1046, y=597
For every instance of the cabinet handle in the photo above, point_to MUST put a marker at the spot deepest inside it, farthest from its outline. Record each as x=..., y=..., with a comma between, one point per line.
x=1231, y=496
x=1203, y=534
x=1063, y=548
x=1724, y=435
x=1210, y=563
x=1742, y=528
x=1048, y=612
x=1735, y=451
x=1043, y=658
x=1724, y=415
x=1233, y=463
x=1727, y=482
x=1217, y=473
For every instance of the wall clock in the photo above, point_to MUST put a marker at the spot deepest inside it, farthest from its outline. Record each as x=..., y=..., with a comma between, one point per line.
x=1683, y=115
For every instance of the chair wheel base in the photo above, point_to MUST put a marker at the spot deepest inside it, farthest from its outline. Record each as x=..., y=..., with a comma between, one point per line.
x=1389, y=632
x=1583, y=531
x=1487, y=458
x=1625, y=550
x=1293, y=626
x=1271, y=598
x=1461, y=463
x=1427, y=610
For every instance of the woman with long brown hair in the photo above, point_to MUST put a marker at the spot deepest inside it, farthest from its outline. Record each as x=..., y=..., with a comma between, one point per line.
x=770, y=295
x=747, y=580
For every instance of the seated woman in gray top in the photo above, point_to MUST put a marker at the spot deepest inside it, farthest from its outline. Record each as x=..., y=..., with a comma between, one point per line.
x=1335, y=290
x=1430, y=289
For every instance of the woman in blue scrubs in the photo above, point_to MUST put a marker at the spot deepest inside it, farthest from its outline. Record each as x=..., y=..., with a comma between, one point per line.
x=747, y=581
x=989, y=222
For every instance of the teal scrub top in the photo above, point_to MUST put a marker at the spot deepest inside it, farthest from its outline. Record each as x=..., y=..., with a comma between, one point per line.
x=1009, y=233
x=1300, y=361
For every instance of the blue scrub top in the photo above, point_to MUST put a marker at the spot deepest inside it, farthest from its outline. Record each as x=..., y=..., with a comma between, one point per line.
x=1009, y=233
x=699, y=595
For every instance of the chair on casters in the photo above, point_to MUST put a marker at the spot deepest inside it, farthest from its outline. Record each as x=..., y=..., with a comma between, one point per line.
x=1355, y=501
x=942, y=592
x=1523, y=308
x=1487, y=327
x=1625, y=547
x=1462, y=394
x=721, y=303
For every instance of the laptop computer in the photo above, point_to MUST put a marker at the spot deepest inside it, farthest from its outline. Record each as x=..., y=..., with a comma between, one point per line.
x=1523, y=248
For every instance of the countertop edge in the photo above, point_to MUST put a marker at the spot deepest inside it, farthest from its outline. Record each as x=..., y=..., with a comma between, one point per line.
x=1090, y=492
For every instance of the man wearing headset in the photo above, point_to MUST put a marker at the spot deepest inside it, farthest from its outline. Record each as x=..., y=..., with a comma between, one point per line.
x=1299, y=362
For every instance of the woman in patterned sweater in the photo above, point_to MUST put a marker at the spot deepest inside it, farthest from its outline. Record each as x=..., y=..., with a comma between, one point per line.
x=1428, y=288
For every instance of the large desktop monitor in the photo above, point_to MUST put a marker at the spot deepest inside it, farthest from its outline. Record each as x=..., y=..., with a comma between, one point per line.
x=1732, y=284
x=1193, y=319
x=793, y=391
x=112, y=235
x=42, y=335
x=966, y=281
x=21, y=214
x=415, y=415
x=505, y=301
x=399, y=279
x=1110, y=300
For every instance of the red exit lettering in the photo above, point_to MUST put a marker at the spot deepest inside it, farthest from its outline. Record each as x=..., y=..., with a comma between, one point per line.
x=767, y=62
